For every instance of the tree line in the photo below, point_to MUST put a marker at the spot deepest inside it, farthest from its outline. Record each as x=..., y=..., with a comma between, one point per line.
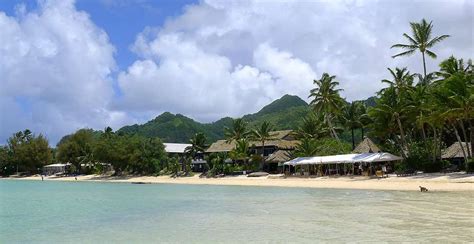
x=415, y=116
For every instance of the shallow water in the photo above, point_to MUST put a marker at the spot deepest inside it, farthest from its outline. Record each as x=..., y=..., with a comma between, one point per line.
x=58, y=212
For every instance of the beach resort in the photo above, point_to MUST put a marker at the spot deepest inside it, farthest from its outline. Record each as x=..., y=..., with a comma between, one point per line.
x=215, y=121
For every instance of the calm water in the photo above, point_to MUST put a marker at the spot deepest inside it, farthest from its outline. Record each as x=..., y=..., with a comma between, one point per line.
x=53, y=212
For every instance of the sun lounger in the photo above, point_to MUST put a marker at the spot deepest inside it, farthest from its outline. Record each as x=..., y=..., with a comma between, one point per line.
x=380, y=174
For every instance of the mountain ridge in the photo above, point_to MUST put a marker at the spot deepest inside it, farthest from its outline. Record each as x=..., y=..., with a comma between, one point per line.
x=284, y=113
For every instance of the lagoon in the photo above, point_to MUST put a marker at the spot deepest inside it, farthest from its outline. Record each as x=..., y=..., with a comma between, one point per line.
x=92, y=212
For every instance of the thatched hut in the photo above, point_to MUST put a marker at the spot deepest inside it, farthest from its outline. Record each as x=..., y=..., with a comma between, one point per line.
x=366, y=146
x=454, y=152
x=275, y=160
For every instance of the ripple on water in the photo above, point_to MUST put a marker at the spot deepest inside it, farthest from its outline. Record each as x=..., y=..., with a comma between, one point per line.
x=98, y=212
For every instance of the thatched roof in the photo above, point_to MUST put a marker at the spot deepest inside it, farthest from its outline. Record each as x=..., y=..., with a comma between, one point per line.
x=279, y=156
x=282, y=140
x=366, y=146
x=221, y=146
x=454, y=151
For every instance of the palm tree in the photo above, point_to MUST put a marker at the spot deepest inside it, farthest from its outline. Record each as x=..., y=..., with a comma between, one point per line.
x=391, y=109
x=198, y=145
x=326, y=99
x=351, y=118
x=365, y=119
x=420, y=40
x=313, y=126
x=237, y=132
x=402, y=79
x=306, y=148
x=455, y=97
x=262, y=134
x=241, y=151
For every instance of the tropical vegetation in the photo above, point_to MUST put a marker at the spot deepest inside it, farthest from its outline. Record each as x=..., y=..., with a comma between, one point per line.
x=415, y=115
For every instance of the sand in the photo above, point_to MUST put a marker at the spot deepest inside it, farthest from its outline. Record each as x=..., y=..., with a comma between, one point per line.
x=434, y=182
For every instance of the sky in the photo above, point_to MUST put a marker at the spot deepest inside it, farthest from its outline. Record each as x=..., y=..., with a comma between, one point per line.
x=66, y=65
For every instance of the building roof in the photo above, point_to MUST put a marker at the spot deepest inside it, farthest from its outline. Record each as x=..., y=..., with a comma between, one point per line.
x=56, y=165
x=282, y=139
x=366, y=146
x=454, y=151
x=279, y=156
x=176, y=147
x=345, y=158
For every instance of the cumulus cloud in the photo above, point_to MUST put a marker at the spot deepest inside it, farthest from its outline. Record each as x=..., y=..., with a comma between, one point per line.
x=190, y=64
x=178, y=75
x=218, y=58
x=55, y=67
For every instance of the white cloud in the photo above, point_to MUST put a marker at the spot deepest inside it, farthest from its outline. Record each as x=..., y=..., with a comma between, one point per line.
x=178, y=76
x=218, y=58
x=283, y=46
x=55, y=66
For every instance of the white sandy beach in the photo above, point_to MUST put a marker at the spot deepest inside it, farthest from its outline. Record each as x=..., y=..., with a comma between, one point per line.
x=434, y=182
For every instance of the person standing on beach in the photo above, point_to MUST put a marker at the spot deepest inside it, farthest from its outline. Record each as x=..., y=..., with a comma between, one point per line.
x=42, y=178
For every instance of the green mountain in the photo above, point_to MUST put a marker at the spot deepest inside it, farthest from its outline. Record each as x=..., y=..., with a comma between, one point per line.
x=283, y=113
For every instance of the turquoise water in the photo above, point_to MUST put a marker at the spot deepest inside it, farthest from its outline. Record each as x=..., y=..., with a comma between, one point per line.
x=87, y=212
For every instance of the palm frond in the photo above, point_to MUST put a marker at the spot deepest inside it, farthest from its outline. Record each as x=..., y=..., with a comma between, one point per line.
x=409, y=52
x=436, y=40
x=431, y=54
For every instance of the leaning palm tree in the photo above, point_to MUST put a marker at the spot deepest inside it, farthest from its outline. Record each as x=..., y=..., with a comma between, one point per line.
x=262, y=134
x=237, y=132
x=420, y=40
x=198, y=145
x=390, y=108
x=326, y=99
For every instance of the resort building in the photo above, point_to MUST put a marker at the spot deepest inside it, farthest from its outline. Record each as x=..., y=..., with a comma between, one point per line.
x=52, y=169
x=276, y=150
x=179, y=150
x=176, y=148
x=454, y=153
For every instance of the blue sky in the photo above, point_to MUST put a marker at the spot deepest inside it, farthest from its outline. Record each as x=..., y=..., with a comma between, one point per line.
x=66, y=65
x=121, y=19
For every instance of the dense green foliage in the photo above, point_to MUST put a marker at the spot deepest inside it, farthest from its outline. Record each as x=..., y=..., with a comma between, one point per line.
x=134, y=154
x=283, y=113
x=77, y=148
x=415, y=115
x=25, y=152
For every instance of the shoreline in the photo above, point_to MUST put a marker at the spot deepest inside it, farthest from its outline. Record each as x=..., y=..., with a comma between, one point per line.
x=434, y=182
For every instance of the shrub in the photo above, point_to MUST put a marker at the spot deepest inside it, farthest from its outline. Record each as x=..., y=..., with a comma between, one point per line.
x=470, y=166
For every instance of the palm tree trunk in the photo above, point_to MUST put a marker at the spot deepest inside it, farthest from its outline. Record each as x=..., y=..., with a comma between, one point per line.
x=362, y=132
x=471, y=128
x=423, y=133
x=402, y=149
x=465, y=138
x=263, y=153
x=435, y=145
x=424, y=65
x=460, y=143
x=353, y=140
x=332, y=128
x=402, y=135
